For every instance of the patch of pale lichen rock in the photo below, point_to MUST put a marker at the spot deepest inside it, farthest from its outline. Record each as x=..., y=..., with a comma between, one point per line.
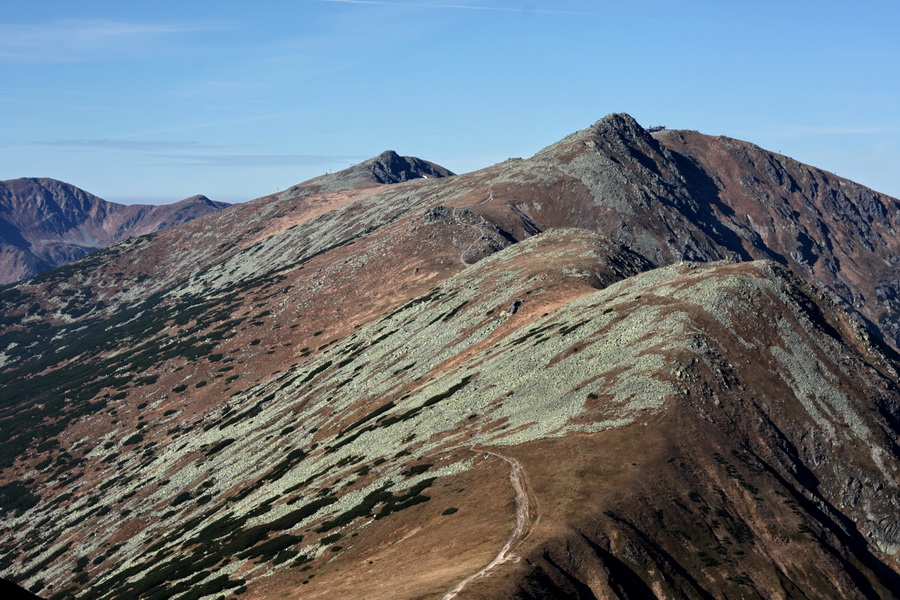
x=454, y=371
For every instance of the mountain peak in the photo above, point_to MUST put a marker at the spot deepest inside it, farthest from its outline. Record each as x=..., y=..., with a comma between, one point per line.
x=615, y=121
x=200, y=201
x=196, y=198
x=386, y=168
x=390, y=167
x=387, y=155
x=618, y=126
x=614, y=131
x=48, y=223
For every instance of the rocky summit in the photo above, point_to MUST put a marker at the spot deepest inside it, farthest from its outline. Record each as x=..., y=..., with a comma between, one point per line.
x=634, y=365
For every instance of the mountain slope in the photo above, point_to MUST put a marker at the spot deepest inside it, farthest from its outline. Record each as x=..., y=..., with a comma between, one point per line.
x=685, y=196
x=838, y=234
x=45, y=223
x=381, y=391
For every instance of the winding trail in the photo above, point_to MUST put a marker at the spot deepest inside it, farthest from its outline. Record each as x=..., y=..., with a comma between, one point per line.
x=526, y=518
x=482, y=234
x=482, y=227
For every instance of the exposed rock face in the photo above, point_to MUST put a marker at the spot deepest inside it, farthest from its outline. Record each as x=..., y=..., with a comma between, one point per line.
x=386, y=168
x=596, y=373
x=833, y=232
x=45, y=223
x=390, y=167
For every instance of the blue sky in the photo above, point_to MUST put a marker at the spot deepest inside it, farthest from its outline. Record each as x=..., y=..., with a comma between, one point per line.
x=157, y=101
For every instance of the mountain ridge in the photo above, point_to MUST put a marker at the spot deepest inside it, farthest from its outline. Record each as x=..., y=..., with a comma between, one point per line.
x=329, y=392
x=45, y=223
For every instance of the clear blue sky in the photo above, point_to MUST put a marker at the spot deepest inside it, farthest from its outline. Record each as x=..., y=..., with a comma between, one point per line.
x=156, y=101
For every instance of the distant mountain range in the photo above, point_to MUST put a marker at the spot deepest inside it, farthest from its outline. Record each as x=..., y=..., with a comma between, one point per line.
x=45, y=223
x=634, y=365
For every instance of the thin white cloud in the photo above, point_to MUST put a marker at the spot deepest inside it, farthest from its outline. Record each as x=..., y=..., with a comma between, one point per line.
x=220, y=89
x=521, y=10
x=225, y=123
x=130, y=145
x=82, y=39
x=194, y=127
x=45, y=91
x=190, y=153
x=265, y=160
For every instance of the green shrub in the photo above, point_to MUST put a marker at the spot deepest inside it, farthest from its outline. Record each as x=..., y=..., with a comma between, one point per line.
x=15, y=497
x=134, y=439
x=269, y=549
x=181, y=498
x=707, y=560
x=416, y=469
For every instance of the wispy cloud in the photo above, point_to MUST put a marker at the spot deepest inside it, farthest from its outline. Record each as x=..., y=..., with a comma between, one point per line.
x=267, y=160
x=127, y=145
x=46, y=91
x=525, y=9
x=82, y=39
x=206, y=125
x=191, y=154
x=219, y=89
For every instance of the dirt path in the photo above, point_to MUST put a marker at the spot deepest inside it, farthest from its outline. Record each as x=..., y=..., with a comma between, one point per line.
x=482, y=234
x=526, y=518
x=482, y=228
